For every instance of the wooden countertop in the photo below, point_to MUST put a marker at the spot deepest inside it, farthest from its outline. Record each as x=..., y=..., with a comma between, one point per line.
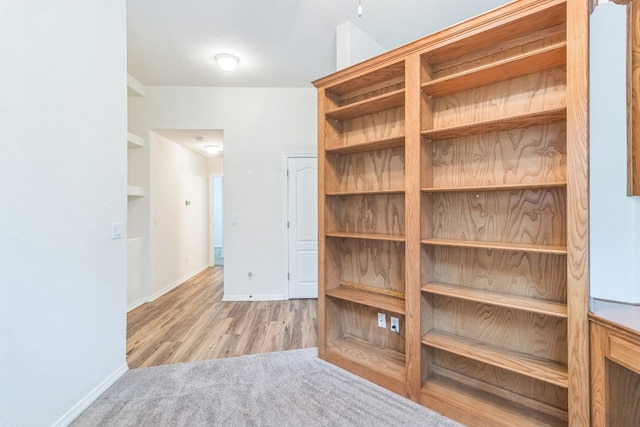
x=625, y=316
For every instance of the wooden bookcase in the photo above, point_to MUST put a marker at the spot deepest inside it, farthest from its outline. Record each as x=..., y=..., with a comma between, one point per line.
x=453, y=195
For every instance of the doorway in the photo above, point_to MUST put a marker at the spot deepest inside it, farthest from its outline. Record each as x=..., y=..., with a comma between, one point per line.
x=302, y=226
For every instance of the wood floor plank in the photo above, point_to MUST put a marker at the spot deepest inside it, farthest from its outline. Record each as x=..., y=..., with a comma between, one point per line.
x=192, y=323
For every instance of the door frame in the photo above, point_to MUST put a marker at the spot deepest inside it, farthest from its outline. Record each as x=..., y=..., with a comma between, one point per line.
x=285, y=217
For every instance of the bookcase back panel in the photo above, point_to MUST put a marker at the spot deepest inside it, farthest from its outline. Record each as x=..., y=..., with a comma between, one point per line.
x=495, y=380
x=367, y=128
x=372, y=263
x=521, y=331
x=533, y=155
x=369, y=82
x=499, y=35
x=528, y=274
x=545, y=90
x=371, y=92
x=504, y=51
x=376, y=214
x=377, y=170
x=525, y=216
x=360, y=321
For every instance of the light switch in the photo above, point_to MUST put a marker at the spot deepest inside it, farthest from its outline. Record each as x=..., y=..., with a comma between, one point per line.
x=116, y=230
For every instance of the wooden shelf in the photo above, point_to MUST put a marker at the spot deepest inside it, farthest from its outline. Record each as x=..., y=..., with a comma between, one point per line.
x=368, y=106
x=524, y=364
x=134, y=141
x=390, y=73
x=376, y=360
x=366, y=236
x=382, y=302
x=477, y=407
x=533, y=305
x=500, y=187
x=527, y=63
x=362, y=192
x=506, y=123
x=135, y=191
x=380, y=144
x=521, y=247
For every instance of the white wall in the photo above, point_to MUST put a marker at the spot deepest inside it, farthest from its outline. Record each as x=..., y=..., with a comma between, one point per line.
x=179, y=232
x=615, y=218
x=353, y=45
x=63, y=182
x=260, y=125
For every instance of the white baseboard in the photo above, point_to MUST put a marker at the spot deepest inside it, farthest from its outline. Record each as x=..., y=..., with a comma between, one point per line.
x=83, y=404
x=252, y=297
x=175, y=284
x=136, y=304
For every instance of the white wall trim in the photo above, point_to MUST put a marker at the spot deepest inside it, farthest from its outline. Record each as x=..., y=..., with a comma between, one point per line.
x=84, y=403
x=246, y=297
x=176, y=283
x=136, y=304
x=285, y=207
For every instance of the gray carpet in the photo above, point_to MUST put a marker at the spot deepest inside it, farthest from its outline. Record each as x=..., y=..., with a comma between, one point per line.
x=290, y=388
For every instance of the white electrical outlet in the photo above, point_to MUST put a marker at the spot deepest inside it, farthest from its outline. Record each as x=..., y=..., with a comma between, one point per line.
x=382, y=320
x=395, y=324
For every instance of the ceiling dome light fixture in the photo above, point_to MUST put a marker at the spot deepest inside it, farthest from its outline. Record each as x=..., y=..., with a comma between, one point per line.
x=212, y=149
x=359, y=8
x=226, y=61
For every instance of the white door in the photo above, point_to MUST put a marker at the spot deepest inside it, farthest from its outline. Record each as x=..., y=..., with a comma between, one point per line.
x=302, y=232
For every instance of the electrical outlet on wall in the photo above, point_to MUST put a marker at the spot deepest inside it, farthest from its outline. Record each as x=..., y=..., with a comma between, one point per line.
x=382, y=320
x=395, y=324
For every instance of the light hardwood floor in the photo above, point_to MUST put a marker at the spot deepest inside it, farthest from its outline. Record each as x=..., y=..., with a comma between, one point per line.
x=193, y=323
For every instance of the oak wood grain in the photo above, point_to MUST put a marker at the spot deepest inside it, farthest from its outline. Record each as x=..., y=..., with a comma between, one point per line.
x=483, y=409
x=369, y=214
x=578, y=210
x=506, y=122
x=518, y=273
x=521, y=389
x=362, y=147
x=388, y=124
x=534, y=217
x=371, y=299
x=505, y=329
x=380, y=366
x=615, y=374
x=537, y=92
x=534, y=156
x=373, y=263
x=549, y=308
x=633, y=98
x=510, y=48
x=376, y=104
x=535, y=367
x=498, y=71
x=361, y=321
x=376, y=170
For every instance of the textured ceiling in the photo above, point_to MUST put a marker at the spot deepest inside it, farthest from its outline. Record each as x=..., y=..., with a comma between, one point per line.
x=280, y=43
